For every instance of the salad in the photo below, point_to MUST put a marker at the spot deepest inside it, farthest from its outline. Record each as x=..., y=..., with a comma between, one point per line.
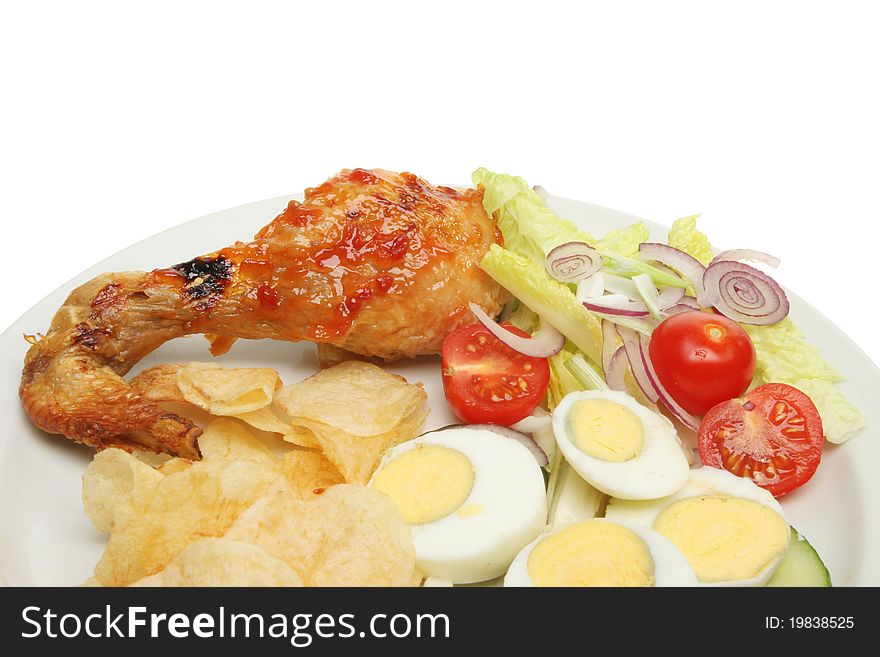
x=663, y=389
x=631, y=416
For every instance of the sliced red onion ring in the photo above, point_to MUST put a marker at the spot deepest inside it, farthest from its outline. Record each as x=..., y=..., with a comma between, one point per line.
x=609, y=344
x=620, y=304
x=573, y=261
x=545, y=342
x=592, y=286
x=524, y=439
x=616, y=304
x=615, y=373
x=747, y=254
x=637, y=366
x=679, y=308
x=745, y=294
x=669, y=296
x=684, y=263
x=684, y=417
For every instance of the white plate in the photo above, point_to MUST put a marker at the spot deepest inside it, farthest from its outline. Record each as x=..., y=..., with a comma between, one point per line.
x=45, y=538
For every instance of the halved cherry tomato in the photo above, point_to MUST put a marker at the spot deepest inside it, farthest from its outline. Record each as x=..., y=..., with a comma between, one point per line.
x=702, y=359
x=487, y=382
x=773, y=436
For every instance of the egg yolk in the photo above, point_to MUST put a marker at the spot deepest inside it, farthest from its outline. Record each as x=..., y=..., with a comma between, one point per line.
x=592, y=553
x=606, y=430
x=470, y=510
x=724, y=538
x=427, y=483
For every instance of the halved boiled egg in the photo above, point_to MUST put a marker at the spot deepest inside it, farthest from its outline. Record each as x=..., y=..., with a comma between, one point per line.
x=619, y=446
x=733, y=532
x=472, y=498
x=600, y=552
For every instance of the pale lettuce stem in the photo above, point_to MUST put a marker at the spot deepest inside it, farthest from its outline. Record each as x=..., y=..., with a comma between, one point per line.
x=586, y=375
x=632, y=265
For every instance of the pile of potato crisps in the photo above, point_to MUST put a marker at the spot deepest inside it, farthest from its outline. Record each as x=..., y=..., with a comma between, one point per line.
x=256, y=510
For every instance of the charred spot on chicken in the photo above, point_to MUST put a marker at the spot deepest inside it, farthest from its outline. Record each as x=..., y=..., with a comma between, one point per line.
x=371, y=262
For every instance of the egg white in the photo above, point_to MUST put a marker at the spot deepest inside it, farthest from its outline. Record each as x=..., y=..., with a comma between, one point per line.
x=509, y=494
x=660, y=469
x=703, y=481
x=671, y=568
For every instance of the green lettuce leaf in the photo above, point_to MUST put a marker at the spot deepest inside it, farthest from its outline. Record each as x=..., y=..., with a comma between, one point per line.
x=562, y=381
x=530, y=228
x=625, y=241
x=785, y=356
x=841, y=420
x=522, y=317
x=684, y=236
x=783, y=353
x=793, y=357
x=551, y=300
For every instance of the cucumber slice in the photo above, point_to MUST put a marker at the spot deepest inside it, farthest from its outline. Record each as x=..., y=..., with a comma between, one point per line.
x=801, y=565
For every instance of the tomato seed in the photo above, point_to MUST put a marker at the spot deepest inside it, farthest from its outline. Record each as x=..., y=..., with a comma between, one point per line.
x=793, y=432
x=736, y=465
x=780, y=412
x=782, y=461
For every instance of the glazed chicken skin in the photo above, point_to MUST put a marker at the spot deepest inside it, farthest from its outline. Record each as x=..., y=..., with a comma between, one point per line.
x=372, y=262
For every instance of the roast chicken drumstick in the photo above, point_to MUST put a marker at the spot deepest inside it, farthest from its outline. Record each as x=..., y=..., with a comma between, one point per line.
x=376, y=263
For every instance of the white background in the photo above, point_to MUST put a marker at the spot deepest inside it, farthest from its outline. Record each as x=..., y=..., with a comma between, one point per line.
x=119, y=120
